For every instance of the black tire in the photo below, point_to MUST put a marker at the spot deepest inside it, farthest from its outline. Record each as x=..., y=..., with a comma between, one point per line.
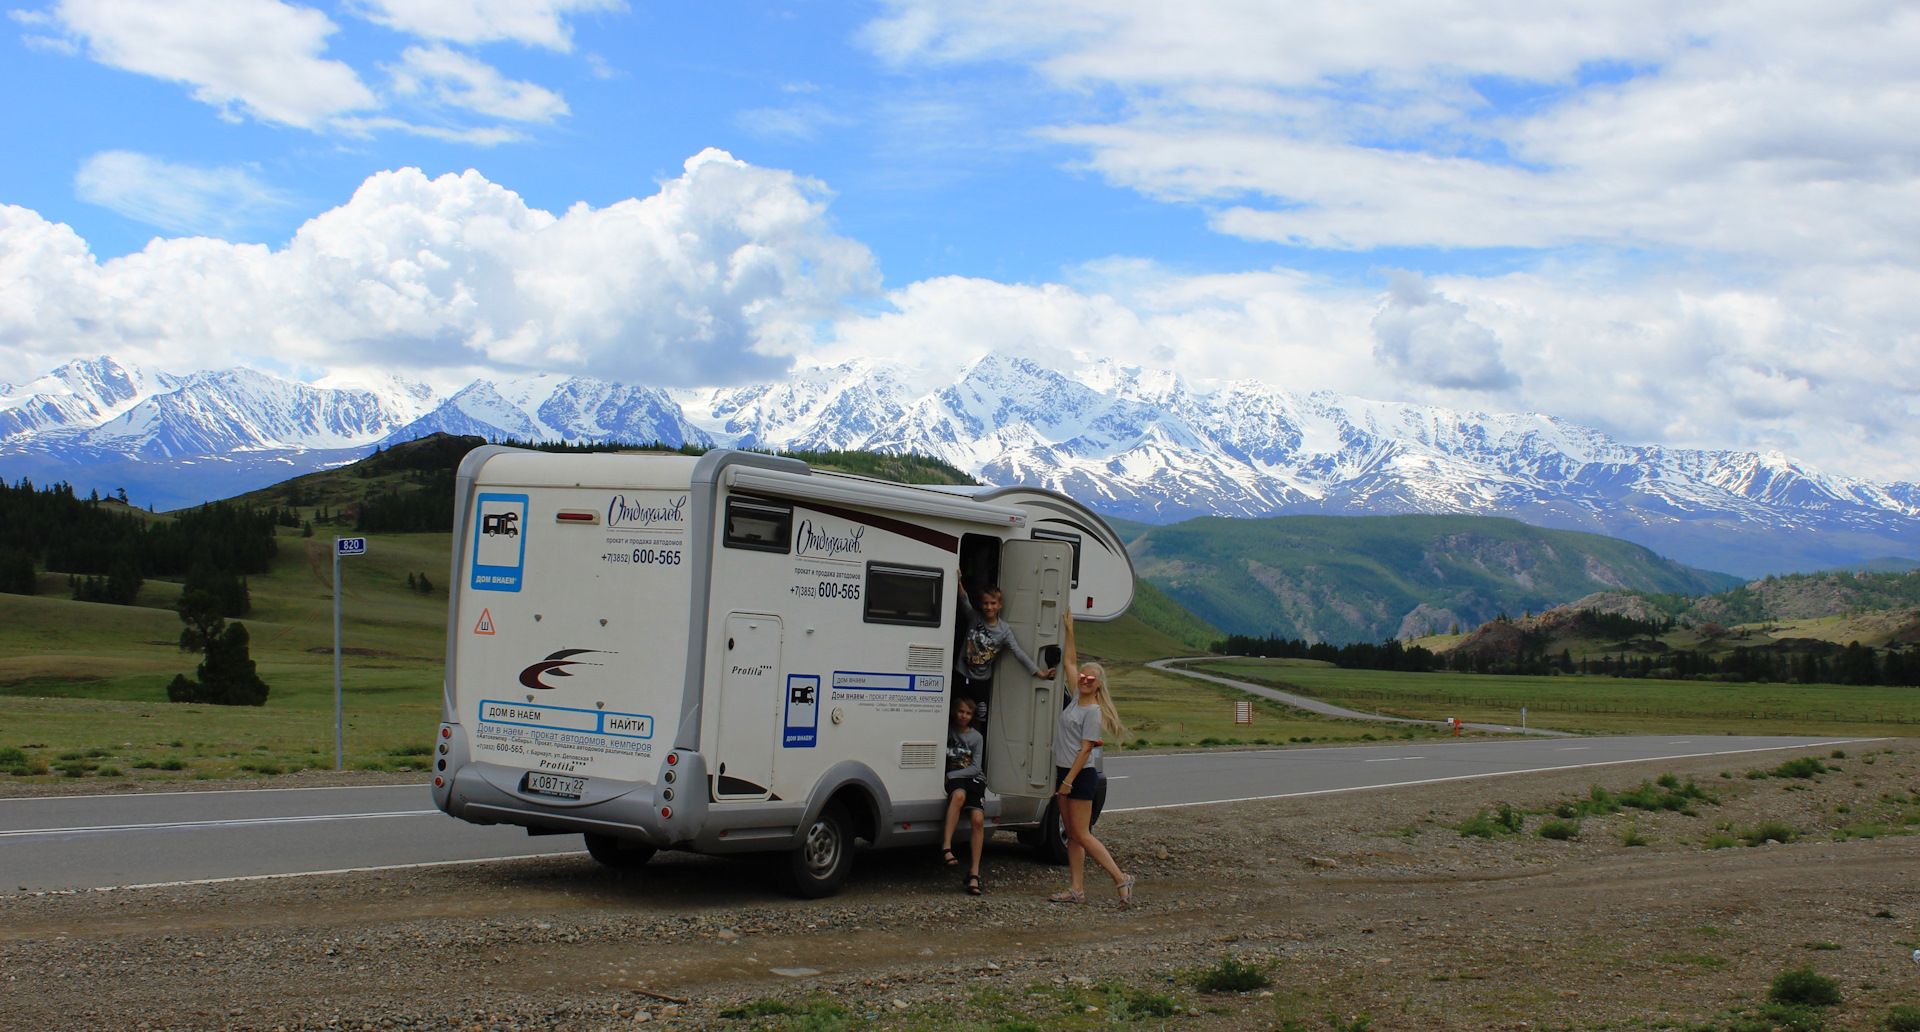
x=619, y=854
x=816, y=869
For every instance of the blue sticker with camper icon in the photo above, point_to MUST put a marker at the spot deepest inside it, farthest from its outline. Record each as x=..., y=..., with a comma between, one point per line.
x=499, y=542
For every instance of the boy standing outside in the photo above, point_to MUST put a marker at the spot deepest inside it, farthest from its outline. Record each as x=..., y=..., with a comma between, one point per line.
x=966, y=789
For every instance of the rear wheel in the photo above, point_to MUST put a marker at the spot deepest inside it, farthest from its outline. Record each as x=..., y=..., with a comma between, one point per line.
x=621, y=854
x=817, y=868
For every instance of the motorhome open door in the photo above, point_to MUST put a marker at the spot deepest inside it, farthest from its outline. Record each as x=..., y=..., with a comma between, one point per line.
x=1034, y=581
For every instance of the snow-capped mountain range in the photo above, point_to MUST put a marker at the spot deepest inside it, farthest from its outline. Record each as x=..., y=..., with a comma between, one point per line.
x=1140, y=444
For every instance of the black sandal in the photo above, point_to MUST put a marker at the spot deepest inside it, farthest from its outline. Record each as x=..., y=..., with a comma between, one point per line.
x=947, y=858
x=973, y=884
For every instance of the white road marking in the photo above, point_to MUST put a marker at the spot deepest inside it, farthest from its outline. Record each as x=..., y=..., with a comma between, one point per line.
x=238, y=822
x=1490, y=774
x=209, y=792
x=307, y=874
x=1393, y=759
x=1573, y=748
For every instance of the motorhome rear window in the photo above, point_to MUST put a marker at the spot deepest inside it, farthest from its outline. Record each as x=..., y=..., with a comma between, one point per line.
x=761, y=526
x=904, y=594
x=1042, y=534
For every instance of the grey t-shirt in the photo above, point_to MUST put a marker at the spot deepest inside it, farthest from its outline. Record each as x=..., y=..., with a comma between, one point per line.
x=983, y=644
x=964, y=748
x=1077, y=724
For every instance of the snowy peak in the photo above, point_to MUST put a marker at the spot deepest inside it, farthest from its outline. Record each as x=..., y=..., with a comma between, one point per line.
x=82, y=393
x=556, y=408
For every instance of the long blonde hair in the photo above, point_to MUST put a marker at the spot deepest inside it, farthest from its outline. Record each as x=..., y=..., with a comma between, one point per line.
x=1109, y=715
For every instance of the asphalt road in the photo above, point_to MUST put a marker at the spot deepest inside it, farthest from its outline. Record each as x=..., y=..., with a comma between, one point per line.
x=86, y=842
x=1327, y=708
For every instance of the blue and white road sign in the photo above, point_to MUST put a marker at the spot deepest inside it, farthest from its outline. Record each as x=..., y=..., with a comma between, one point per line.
x=350, y=546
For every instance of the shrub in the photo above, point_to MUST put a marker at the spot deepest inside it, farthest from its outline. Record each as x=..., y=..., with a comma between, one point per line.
x=1360, y=1022
x=1837, y=754
x=1478, y=826
x=1509, y=819
x=1231, y=976
x=1904, y=1017
x=268, y=769
x=1804, y=767
x=172, y=765
x=112, y=772
x=11, y=757
x=1720, y=840
x=1560, y=831
x=1142, y=1003
x=1632, y=837
x=1804, y=987
x=1778, y=831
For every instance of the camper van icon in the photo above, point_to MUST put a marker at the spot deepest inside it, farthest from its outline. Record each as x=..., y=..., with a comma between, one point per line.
x=506, y=524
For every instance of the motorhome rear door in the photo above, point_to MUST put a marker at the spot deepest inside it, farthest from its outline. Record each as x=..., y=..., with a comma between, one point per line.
x=749, y=706
x=1033, y=578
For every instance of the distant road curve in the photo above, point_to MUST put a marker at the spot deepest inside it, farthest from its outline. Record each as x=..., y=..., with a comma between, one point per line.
x=1327, y=708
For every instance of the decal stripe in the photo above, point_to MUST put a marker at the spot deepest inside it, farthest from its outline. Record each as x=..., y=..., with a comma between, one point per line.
x=889, y=524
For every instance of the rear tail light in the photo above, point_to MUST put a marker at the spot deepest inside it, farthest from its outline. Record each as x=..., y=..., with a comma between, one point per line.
x=446, y=732
x=439, y=782
x=673, y=758
x=666, y=811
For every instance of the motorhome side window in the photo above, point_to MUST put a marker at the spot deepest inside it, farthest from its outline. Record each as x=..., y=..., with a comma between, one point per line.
x=1041, y=534
x=904, y=594
x=761, y=526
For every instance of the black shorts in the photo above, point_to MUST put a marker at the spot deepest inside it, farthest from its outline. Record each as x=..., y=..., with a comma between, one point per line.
x=1083, y=786
x=976, y=789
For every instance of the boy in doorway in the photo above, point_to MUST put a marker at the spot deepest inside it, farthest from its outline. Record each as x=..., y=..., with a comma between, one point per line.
x=985, y=637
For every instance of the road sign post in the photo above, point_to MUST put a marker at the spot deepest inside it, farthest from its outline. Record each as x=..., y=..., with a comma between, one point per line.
x=341, y=546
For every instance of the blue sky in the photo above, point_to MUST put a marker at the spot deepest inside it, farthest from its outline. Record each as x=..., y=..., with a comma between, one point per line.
x=1682, y=223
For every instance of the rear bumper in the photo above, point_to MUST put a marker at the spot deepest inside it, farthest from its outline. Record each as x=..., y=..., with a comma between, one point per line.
x=662, y=816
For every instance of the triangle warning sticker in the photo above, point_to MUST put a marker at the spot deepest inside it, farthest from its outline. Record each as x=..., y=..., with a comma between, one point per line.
x=485, y=626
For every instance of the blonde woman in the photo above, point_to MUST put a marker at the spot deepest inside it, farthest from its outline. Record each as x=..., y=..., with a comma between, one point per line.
x=1086, y=722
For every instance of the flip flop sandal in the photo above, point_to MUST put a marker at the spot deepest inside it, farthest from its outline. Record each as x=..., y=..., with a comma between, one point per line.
x=1125, y=889
x=972, y=885
x=1068, y=896
x=947, y=858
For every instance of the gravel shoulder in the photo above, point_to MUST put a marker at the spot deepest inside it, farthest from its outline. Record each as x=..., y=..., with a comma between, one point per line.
x=1366, y=902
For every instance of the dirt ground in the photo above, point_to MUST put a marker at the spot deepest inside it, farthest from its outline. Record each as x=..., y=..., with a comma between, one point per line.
x=1365, y=903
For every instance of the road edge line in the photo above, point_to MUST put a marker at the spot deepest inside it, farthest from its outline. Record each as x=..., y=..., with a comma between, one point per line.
x=1490, y=774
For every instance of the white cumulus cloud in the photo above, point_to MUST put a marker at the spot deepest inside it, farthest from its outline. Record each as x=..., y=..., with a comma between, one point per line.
x=1428, y=339
x=716, y=278
x=540, y=23
x=257, y=56
x=446, y=77
x=181, y=198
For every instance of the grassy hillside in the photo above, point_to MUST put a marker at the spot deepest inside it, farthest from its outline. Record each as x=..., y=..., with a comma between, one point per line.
x=1335, y=578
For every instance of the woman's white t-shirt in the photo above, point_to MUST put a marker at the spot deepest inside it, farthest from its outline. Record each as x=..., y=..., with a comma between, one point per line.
x=1077, y=724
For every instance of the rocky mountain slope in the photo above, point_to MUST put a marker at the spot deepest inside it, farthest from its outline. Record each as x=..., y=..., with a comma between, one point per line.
x=1148, y=445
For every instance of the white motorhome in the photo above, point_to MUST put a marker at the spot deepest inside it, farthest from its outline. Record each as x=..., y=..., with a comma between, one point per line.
x=738, y=653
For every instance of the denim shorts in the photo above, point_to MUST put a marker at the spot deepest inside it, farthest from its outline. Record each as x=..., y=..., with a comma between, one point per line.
x=1083, y=785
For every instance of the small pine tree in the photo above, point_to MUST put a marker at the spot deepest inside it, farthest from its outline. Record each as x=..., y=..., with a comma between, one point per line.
x=426, y=586
x=228, y=676
x=306, y=529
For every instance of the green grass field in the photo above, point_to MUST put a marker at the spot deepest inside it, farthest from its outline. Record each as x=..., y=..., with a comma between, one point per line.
x=1598, y=704
x=91, y=678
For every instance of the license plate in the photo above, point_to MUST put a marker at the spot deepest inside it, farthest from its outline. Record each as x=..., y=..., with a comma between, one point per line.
x=553, y=785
